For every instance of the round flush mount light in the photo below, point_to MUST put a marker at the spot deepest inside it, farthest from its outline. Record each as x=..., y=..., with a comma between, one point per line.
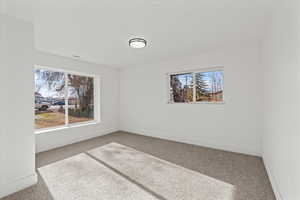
x=137, y=43
x=75, y=56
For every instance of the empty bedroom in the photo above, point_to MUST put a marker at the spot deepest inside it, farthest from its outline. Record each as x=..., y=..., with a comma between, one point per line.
x=149, y=100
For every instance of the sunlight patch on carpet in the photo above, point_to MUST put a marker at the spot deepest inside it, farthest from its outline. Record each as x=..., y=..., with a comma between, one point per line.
x=83, y=178
x=171, y=181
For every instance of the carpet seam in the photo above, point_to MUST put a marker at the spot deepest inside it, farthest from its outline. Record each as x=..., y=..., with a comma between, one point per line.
x=141, y=186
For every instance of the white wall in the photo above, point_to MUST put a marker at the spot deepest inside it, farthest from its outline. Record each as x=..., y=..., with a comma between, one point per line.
x=17, y=138
x=234, y=126
x=17, y=156
x=109, y=102
x=281, y=140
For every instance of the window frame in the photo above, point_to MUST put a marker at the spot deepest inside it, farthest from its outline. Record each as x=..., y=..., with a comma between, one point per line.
x=97, y=111
x=193, y=72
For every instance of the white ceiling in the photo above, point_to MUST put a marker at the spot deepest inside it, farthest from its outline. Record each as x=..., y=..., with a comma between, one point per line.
x=99, y=30
x=21, y=9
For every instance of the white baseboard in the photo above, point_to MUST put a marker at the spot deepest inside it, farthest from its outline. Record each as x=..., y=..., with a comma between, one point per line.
x=202, y=142
x=273, y=181
x=18, y=184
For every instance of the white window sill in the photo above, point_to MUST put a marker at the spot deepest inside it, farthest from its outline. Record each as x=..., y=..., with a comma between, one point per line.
x=59, y=128
x=217, y=103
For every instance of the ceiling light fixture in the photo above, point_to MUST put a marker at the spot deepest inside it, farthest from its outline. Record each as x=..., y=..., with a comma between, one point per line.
x=137, y=43
x=75, y=56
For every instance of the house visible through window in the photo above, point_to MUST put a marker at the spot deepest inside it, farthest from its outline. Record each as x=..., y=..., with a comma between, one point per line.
x=197, y=86
x=63, y=98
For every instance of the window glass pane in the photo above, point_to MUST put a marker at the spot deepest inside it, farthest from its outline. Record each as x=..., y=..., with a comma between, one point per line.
x=181, y=88
x=49, y=98
x=81, y=98
x=209, y=86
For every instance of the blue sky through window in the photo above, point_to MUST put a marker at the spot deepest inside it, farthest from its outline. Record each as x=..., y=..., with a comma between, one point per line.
x=185, y=79
x=209, y=78
x=214, y=77
x=44, y=89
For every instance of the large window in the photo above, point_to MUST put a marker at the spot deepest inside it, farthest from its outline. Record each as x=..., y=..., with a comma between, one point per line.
x=63, y=98
x=197, y=86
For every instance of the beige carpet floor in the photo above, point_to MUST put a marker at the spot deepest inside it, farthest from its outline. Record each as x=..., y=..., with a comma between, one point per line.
x=246, y=173
x=166, y=179
x=82, y=177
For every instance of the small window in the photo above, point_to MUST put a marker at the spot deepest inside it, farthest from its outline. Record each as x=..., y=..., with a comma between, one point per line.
x=197, y=86
x=63, y=98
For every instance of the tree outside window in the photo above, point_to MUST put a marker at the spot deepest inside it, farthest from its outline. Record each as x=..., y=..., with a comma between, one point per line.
x=204, y=86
